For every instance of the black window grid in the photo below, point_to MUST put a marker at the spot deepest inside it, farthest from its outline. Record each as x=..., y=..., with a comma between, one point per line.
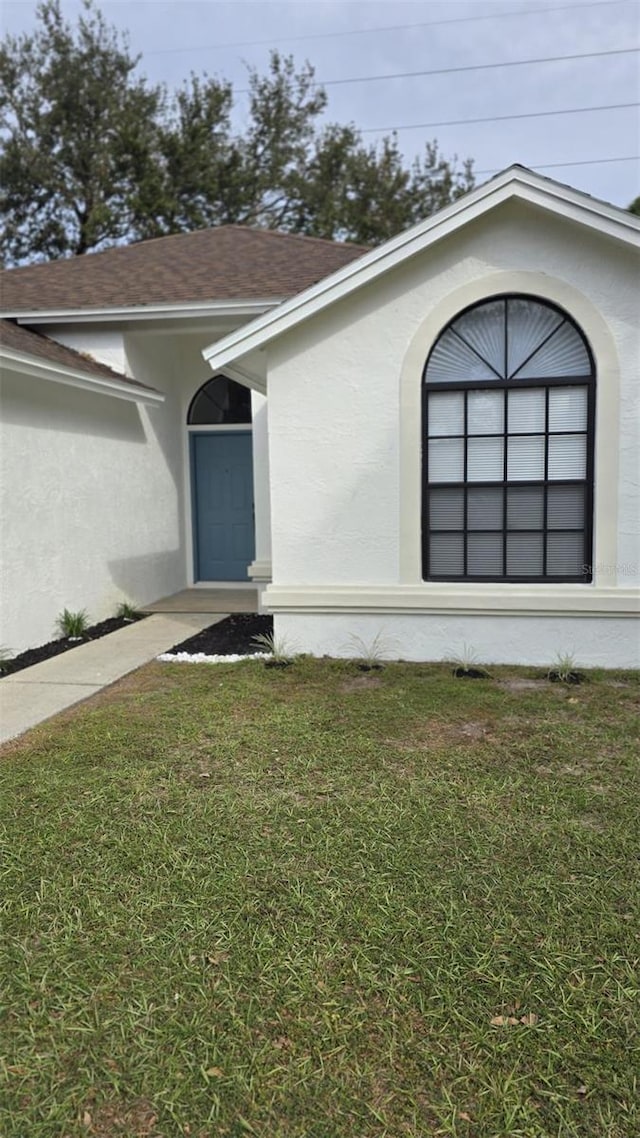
x=546, y=383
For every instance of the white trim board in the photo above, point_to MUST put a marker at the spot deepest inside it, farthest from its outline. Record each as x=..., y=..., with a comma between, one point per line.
x=217, y=428
x=200, y=308
x=260, y=570
x=485, y=600
x=514, y=183
x=230, y=585
x=57, y=373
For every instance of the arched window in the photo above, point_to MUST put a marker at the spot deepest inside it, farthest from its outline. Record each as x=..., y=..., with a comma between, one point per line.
x=508, y=421
x=220, y=401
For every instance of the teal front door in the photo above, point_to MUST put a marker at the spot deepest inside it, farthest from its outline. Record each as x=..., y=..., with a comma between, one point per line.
x=222, y=497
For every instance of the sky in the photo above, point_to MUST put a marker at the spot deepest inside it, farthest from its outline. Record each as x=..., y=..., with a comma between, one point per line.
x=355, y=39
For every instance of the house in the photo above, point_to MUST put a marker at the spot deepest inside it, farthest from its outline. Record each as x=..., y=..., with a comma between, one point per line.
x=434, y=443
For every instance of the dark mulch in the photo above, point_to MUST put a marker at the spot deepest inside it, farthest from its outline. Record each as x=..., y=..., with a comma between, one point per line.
x=566, y=677
x=65, y=643
x=232, y=636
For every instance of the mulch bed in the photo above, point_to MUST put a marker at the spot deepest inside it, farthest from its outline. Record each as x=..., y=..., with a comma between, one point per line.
x=65, y=643
x=232, y=636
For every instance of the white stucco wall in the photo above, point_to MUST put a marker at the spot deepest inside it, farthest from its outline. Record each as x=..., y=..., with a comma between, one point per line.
x=344, y=427
x=95, y=502
x=505, y=639
x=106, y=345
x=90, y=500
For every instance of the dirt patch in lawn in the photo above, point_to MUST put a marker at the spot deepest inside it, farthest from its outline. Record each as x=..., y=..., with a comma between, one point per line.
x=361, y=683
x=521, y=684
x=435, y=734
x=121, y=1120
x=474, y=731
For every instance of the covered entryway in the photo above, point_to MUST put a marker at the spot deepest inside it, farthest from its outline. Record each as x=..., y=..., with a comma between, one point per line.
x=221, y=460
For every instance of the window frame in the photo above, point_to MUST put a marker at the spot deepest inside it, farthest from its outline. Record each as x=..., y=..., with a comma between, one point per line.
x=500, y=384
x=203, y=392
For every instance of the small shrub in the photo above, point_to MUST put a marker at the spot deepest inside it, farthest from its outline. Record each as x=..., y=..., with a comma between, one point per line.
x=466, y=665
x=277, y=647
x=369, y=654
x=72, y=624
x=125, y=611
x=563, y=670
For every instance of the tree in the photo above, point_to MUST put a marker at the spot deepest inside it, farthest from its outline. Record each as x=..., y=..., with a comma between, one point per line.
x=211, y=176
x=196, y=168
x=635, y=207
x=286, y=173
x=365, y=193
x=92, y=155
x=78, y=137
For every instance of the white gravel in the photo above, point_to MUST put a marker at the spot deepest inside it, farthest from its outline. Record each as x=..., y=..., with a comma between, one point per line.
x=202, y=658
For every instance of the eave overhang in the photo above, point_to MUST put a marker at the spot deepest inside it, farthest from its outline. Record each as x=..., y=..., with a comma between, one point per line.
x=516, y=183
x=142, y=313
x=57, y=373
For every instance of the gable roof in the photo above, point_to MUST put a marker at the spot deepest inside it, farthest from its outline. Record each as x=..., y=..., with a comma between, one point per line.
x=229, y=262
x=516, y=182
x=43, y=356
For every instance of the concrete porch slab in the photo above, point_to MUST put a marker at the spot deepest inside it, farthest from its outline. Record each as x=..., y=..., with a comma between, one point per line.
x=226, y=600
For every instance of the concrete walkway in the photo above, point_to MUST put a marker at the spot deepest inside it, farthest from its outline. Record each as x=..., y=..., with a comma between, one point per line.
x=225, y=599
x=39, y=692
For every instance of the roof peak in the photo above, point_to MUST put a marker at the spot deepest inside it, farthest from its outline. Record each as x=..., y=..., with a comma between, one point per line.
x=514, y=183
x=519, y=168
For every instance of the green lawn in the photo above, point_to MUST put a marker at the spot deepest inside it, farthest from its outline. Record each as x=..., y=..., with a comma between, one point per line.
x=311, y=904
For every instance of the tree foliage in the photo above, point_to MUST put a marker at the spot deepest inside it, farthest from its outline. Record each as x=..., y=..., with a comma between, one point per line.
x=635, y=206
x=93, y=155
x=76, y=159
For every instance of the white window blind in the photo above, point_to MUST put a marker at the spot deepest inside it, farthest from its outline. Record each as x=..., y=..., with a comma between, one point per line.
x=526, y=411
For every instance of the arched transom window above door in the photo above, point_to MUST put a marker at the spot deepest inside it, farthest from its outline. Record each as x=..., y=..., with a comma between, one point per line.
x=508, y=413
x=219, y=402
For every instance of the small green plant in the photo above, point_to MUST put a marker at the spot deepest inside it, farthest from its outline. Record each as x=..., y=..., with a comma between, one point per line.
x=5, y=658
x=277, y=646
x=466, y=665
x=563, y=670
x=370, y=653
x=125, y=611
x=72, y=624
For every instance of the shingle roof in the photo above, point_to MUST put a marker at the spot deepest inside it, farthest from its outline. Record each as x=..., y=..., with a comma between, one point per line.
x=226, y=263
x=33, y=344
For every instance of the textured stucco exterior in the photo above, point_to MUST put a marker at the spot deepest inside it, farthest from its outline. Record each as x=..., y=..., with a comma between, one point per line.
x=505, y=639
x=343, y=393
x=91, y=502
x=94, y=491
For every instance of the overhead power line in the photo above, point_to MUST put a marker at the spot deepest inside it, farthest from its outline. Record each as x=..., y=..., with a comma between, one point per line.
x=499, y=118
x=558, y=165
x=385, y=28
x=477, y=67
